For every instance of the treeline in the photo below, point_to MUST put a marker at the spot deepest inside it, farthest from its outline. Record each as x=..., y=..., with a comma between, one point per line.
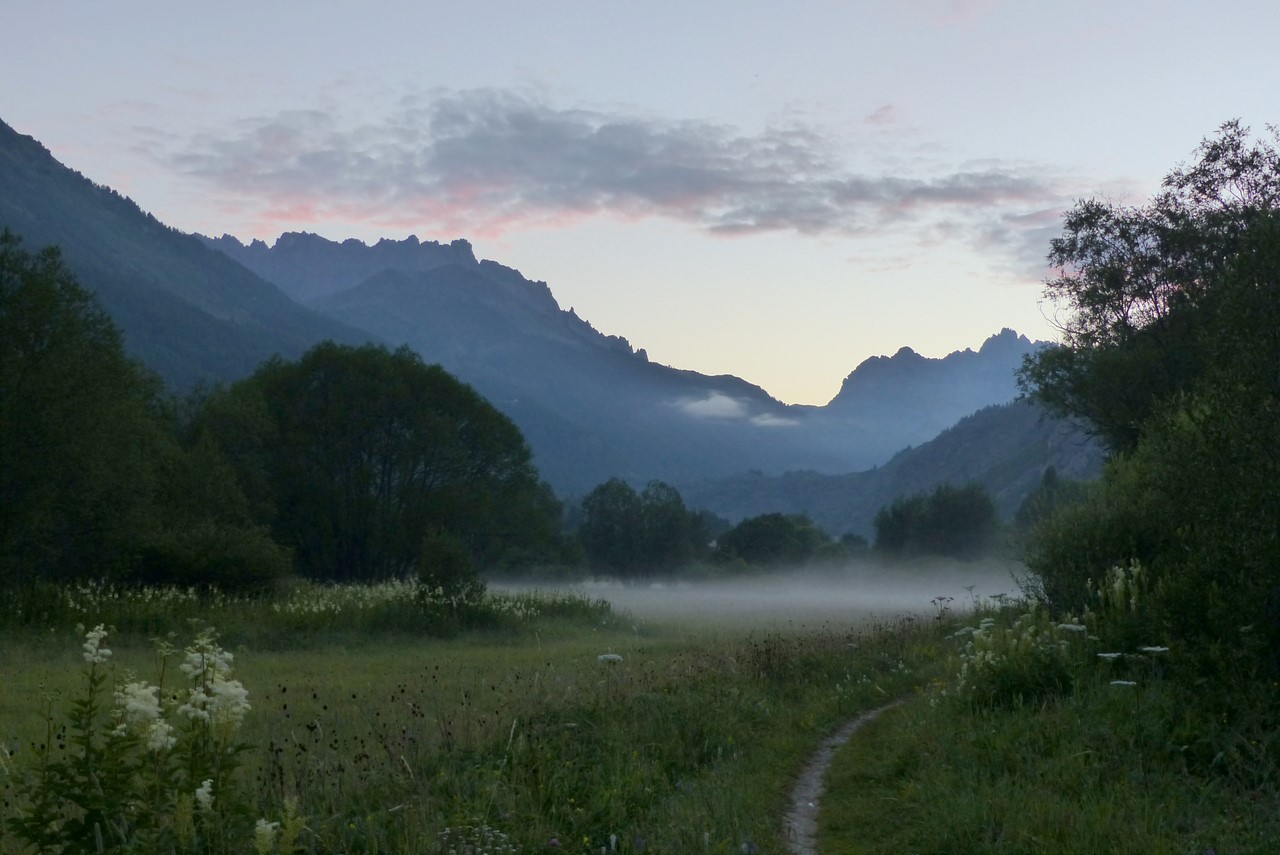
x=639, y=534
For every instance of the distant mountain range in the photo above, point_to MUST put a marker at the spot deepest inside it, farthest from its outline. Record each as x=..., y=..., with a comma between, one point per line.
x=591, y=406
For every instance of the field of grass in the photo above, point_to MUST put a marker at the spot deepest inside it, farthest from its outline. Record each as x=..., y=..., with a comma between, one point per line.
x=1109, y=755
x=540, y=723
x=389, y=719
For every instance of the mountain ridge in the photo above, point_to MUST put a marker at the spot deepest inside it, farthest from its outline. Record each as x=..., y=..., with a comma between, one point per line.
x=591, y=406
x=190, y=313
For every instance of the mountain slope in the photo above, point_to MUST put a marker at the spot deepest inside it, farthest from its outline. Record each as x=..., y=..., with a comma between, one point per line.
x=590, y=405
x=1005, y=448
x=187, y=311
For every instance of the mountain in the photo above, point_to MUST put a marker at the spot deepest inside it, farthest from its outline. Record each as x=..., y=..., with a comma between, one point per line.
x=187, y=311
x=590, y=405
x=1005, y=448
x=908, y=394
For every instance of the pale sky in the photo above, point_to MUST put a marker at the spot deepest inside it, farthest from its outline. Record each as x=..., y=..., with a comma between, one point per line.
x=776, y=191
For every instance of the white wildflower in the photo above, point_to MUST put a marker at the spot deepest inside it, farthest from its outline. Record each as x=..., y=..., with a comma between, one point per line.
x=1154, y=649
x=1110, y=657
x=1073, y=627
x=264, y=836
x=204, y=795
x=197, y=705
x=94, y=652
x=230, y=701
x=138, y=709
x=221, y=703
x=159, y=736
x=609, y=657
x=205, y=659
x=138, y=703
x=1123, y=683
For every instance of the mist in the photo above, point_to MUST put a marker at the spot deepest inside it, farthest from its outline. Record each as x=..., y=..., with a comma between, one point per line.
x=806, y=597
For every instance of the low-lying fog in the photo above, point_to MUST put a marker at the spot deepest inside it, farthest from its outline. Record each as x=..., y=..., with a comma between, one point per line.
x=804, y=597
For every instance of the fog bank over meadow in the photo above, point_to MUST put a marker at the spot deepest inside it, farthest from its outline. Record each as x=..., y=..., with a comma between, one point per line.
x=805, y=597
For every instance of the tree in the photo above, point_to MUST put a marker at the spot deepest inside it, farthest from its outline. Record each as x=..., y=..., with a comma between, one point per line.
x=960, y=522
x=612, y=527
x=639, y=534
x=1140, y=287
x=80, y=429
x=354, y=454
x=773, y=540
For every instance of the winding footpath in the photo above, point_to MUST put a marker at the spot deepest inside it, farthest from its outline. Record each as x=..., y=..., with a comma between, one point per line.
x=800, y=825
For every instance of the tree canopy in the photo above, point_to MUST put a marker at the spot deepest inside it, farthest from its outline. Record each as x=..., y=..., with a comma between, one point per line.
x=1151, y=296
x=960, y=522
x=640, y=534
x=354, y=455
x=79, y=427
x=775, y=540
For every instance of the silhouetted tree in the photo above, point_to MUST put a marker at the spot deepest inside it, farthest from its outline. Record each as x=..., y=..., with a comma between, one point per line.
x=960, y=522
x=80, y=429
x=771, y=540
x=639, y=534
x=354, y=454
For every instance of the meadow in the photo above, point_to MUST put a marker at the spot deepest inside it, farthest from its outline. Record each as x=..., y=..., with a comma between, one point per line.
x=384, y=720
x=392, y=719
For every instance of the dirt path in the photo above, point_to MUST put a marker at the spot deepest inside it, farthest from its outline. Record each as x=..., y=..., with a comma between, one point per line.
x=800, y=825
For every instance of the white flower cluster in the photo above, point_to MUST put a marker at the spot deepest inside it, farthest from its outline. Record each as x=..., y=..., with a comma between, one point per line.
x=96, y=596
x=1029, y=639
x=1122, y=590
x=478, y=839
x=214, y=697
x=94, y=652
x=138, y=711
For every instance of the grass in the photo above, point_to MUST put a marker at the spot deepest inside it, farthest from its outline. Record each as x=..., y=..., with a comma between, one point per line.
x=513, y=735
x=387, y=721
x=1121, y=760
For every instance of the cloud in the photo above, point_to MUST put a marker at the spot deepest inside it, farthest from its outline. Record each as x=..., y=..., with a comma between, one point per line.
x=769, y=420
x=485, y=162
x=716, y=405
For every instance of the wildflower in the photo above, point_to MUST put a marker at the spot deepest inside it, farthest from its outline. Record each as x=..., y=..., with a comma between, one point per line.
x=1110, y=657
x=221, y=703
x=1123, y=683
x=205, y=659
x=264, y=836
x=609, y=657
x=138, y=702
x=1073, y=627
x=94, y=652
x=1154, y=649
x=204, y=795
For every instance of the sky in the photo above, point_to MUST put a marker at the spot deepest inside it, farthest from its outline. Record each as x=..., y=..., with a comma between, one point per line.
x=775, y=191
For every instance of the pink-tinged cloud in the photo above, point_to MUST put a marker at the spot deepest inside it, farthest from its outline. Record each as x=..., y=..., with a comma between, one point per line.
x=486, y=162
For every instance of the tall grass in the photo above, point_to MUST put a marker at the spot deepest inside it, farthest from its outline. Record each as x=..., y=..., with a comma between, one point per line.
x=1062, y=736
